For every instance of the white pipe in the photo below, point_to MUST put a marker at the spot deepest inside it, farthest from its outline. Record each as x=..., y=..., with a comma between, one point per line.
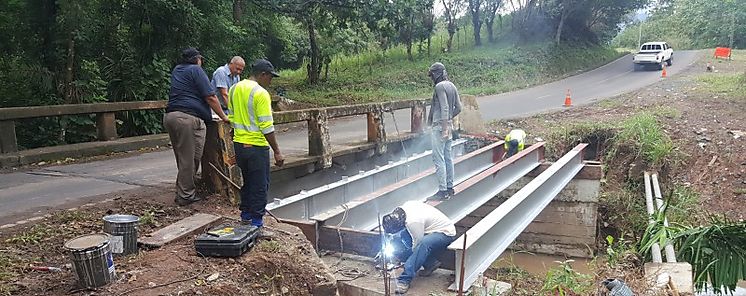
x=670, y=254
x=656, y=248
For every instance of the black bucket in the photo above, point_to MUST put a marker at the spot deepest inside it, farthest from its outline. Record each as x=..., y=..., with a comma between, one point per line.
x=123, y=231
x=92, y=260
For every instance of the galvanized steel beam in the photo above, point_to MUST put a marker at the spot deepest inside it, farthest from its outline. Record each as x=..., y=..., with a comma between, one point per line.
x=313, y=202
x=361, y=213
x=476, y=191
x=493, y=234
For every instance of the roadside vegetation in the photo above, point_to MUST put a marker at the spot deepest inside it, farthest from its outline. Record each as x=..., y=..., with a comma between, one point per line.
x=482, y=70
x=689, y=24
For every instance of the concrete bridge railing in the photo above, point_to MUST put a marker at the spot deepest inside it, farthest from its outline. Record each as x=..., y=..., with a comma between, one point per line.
x=316, y=118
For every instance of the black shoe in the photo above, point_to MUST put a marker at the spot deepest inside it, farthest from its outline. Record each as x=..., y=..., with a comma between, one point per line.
x=451, y=192
x=428, y=271
x=438, y=196
x=186, y=201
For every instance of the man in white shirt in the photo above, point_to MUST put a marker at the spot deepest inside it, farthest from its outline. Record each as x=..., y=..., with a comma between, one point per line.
x=422, y=233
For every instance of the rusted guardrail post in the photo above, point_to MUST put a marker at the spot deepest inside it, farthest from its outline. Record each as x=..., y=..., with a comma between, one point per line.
x=319, y=143
x=106, y=126
x=8, y=142
x=377, y=129
x=219, y=170
x=418, y=114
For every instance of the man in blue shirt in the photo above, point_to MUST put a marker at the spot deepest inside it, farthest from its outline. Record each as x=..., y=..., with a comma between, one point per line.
x=225, y=77
x=189, y=102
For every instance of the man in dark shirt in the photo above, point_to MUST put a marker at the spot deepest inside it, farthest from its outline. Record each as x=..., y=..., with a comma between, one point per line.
x=189, y=102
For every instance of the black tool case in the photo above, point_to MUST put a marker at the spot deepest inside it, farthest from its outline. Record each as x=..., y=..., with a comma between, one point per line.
x=226, y=240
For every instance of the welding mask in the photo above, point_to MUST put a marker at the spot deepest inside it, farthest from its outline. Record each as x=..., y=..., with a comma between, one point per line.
x=395, y=221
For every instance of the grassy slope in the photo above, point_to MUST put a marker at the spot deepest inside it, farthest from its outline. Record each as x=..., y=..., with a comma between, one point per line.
x=479, y=71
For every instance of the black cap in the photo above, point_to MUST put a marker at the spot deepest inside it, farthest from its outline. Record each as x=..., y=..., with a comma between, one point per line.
x=262, y=66
x=190, y=55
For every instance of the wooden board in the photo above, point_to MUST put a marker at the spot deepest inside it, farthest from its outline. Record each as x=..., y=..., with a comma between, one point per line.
x=184, y=227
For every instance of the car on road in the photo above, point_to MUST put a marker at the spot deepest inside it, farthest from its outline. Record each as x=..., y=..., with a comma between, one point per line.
x=653, y=54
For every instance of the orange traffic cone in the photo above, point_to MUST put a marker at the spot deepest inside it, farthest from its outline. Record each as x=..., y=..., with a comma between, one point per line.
x=663, y=73
x=568, y=100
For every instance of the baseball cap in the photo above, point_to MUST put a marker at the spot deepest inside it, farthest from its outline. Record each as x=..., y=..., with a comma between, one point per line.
x=190, y=53
x=262, y=65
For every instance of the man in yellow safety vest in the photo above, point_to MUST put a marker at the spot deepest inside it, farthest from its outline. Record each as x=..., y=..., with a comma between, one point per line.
x=515, y=141
x=250, y=112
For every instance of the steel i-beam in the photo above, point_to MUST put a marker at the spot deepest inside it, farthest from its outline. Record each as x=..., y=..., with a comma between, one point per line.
x=361, y=213
x=310, y=203
x=476, y=191
x=492, y=235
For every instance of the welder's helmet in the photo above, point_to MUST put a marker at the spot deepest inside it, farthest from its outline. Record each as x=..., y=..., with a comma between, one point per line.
x=395, y=221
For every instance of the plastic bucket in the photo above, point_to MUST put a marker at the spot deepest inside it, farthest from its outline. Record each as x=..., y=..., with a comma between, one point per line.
x=92, y=260
x=123, y=231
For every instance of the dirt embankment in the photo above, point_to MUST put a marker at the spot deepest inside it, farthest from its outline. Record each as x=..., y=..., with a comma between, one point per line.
x=285, y=264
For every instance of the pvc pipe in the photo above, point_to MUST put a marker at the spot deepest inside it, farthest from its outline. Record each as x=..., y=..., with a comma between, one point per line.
x=656, y=248
x=670, y=253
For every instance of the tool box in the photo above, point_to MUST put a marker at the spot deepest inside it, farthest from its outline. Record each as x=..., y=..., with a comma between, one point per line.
x=226, y=240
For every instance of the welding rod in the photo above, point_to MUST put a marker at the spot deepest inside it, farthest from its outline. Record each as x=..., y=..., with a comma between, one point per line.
x=386, y=291
x=461, y=275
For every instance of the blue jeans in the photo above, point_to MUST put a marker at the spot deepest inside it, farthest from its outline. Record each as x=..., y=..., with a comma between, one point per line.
x=424, y=254
x=254, y=164
x=442, y=159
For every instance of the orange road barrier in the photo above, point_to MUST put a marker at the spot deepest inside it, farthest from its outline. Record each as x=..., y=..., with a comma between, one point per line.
x=568, y=100
x=723, y=52
x=663, y=73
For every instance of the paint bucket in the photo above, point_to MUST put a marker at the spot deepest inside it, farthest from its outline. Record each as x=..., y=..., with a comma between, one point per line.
x=123, y=231
x=92, y=260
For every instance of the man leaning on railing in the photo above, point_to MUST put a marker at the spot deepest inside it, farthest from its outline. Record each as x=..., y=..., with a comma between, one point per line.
x=189, y=102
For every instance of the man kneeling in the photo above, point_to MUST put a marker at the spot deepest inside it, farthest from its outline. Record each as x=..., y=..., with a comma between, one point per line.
x=421, y=233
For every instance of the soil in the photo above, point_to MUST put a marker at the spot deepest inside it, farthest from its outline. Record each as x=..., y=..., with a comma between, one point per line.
x=285, y=264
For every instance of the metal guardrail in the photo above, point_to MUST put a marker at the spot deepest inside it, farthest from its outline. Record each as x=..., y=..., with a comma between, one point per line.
x=358, y=214
x=493, y=234
x=313, y=202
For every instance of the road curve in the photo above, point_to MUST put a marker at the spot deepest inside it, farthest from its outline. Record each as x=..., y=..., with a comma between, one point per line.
x=610, y=80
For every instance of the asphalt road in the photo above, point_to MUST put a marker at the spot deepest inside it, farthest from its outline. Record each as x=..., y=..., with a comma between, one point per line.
x=30, y=193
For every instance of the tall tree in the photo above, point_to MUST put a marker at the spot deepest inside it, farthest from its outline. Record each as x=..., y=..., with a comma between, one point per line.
x=490, y=11
x=452, y=8
x=475, y=9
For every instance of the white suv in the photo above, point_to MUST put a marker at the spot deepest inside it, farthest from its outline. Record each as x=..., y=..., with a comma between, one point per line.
x=653, y=53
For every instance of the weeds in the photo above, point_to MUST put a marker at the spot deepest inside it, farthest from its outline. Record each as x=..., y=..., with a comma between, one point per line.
x=269, y=246
x=616, y=250
x=683, y=206
x=33, y=236
x=7, y=263
x=147, y=218
x=643, y=133
x=563, y=280
x=732, y=85
x=72, y=216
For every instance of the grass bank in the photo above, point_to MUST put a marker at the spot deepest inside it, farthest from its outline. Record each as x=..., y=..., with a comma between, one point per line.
x=483, y=70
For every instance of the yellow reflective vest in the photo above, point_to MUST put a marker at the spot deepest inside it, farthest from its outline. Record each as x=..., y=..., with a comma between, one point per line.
x=516, y=134
x=250, y=112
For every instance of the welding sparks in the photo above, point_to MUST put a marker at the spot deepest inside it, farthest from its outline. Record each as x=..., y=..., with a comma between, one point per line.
x=388, y=250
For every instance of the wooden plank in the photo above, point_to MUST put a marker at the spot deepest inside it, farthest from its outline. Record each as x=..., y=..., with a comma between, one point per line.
x=184, y=227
